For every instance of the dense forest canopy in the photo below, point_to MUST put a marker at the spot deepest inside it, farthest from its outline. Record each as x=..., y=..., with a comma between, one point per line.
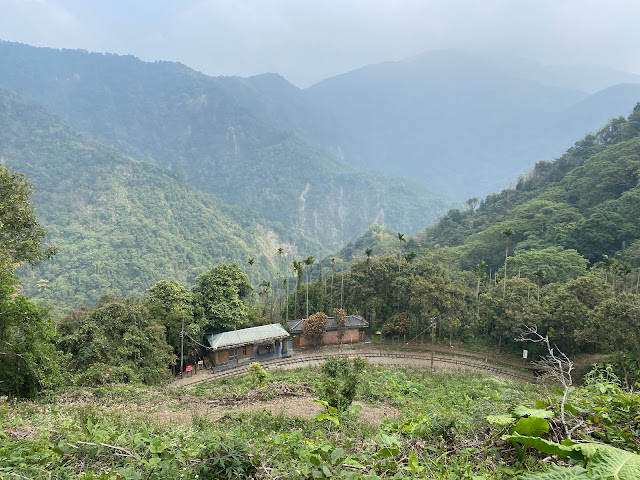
x=120, y=224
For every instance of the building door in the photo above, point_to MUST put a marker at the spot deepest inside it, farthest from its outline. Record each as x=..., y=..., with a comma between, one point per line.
x=233, y=354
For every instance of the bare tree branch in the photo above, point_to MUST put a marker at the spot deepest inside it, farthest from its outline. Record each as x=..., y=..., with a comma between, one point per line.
x=556, y=365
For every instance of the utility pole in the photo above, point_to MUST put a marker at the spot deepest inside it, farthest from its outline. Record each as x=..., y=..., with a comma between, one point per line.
x=182, y=348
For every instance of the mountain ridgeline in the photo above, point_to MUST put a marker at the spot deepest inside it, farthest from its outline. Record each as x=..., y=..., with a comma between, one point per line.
x=462, y=125
x=241, y=139
x=459, y=124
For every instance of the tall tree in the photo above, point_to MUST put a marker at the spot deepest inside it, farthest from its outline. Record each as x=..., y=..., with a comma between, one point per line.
x=172, y=304
x=333, y=274
x=265, y=288
x=368, y=252
x=508, y=232
x=539, y=275
x=29, y=360
x=279, y=283
x=218, y=297
x=251, y=261
x=297, y=268
x=21, y=235
x=402, y=240
x=285, y=287
x=340, y=317
x=309, y=264
x=481, y=273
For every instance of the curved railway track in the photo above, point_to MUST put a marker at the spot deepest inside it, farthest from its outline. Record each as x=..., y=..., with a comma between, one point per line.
x=404, y=359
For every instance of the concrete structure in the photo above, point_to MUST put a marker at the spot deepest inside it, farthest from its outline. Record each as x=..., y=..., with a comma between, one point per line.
x=238, y=346
x=354, y=332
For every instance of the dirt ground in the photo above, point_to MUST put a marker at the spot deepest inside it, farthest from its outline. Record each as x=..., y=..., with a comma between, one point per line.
x=300, y=407
x=278, y=398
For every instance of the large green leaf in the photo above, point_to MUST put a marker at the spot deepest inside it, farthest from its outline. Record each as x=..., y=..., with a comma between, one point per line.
x=559, y=473
x=501, y=420
x=546, y=446
x=531, y=427
x=522, y=411
x=610, y=463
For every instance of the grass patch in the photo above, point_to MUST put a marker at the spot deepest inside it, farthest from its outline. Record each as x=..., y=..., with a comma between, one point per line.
x=439, y=430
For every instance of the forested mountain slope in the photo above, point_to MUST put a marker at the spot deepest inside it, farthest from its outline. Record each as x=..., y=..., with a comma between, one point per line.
x=587, y=200
x=120, y=224
x=242, y=139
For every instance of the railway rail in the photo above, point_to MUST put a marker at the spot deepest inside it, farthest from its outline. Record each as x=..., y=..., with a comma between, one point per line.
x=400, y=359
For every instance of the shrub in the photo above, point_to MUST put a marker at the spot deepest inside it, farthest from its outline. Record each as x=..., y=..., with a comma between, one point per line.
x=257, y=373
x=226, y=459
x=339, y=382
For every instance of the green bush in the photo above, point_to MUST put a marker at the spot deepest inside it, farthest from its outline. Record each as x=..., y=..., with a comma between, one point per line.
x=257, y=373
x=226, y=459
x=339, y=382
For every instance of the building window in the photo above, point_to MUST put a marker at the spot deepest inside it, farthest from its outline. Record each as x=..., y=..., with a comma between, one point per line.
x=233, y=354
x=244, y=350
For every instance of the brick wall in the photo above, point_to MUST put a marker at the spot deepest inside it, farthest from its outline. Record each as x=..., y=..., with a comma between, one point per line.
x=331, y=338
x=245, y=352
x=221, y=357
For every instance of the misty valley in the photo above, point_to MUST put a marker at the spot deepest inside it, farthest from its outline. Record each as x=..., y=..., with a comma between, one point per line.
x=425, y=268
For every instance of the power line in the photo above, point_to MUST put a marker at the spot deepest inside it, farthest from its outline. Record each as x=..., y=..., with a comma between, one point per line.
x=196, y=342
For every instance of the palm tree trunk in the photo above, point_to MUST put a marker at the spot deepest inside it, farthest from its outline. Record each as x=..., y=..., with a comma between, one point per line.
x=477, y=303
x=504, y=285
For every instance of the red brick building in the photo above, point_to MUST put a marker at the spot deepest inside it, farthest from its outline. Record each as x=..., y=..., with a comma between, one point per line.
x=354, y=333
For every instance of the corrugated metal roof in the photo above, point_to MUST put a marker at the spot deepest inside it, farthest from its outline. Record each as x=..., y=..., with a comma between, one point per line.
x=247, y=336
x=352, y=321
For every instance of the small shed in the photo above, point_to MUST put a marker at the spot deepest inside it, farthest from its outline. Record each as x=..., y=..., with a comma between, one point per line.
x=354, y=333
x=236, y=346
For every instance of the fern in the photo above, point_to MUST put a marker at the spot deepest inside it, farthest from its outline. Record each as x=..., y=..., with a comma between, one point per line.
x=602, y=461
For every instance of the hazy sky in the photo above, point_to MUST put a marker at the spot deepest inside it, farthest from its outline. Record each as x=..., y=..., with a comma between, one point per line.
x=307, y=40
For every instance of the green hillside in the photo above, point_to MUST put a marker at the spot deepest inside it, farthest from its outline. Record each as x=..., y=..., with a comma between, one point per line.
x=120, y=224
x=239, y=138
x=587, y=200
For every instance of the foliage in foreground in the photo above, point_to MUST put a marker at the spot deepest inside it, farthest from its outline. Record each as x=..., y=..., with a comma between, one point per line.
x=438, y=429
x=29, y=361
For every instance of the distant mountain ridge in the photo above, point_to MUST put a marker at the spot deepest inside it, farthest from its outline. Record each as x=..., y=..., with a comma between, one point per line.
x=462, y=125
x=241, y=139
